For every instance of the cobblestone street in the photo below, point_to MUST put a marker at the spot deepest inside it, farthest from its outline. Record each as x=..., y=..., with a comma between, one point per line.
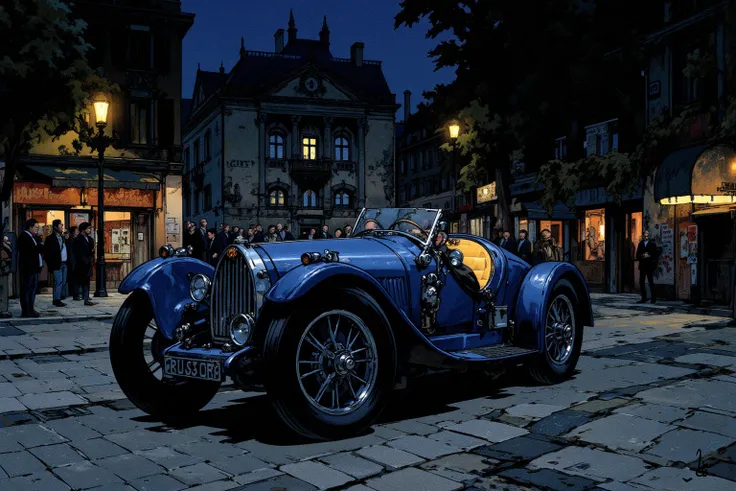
x=653, y=406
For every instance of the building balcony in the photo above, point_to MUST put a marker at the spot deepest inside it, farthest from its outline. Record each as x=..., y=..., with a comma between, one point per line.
x=311, y=174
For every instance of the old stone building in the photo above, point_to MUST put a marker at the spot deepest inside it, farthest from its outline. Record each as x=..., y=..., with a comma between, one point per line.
x=296, y=136
x=138, y=46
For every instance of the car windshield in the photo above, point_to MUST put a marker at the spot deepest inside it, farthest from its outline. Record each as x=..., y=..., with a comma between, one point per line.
x=416, y=221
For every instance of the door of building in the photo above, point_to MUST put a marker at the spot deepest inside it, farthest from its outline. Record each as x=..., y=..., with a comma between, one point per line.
x=717, y=257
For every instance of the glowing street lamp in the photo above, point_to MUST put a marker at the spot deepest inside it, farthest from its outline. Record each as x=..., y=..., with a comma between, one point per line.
x=454, y=130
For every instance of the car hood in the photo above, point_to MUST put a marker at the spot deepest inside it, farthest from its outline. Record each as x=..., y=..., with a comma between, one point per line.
x=370, y=254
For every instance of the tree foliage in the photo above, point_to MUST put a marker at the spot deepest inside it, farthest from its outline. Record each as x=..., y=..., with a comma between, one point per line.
x=508, y=89
x=45, y=79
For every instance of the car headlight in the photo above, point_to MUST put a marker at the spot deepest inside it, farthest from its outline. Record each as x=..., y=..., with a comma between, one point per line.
x=241, y=329
x=199, y=287
x=456, y=258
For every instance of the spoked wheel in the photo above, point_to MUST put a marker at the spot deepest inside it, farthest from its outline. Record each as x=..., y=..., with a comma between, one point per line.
x=563, y=337
x=337, y=362
x=136, y=356
x=329, y=370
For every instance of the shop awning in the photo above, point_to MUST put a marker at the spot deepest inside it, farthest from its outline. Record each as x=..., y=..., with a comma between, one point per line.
x=715, y=210
x=535, y=210
x=86, y=177
x=701, y=174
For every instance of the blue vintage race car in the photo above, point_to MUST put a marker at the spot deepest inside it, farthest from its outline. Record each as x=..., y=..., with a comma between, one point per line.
x=329, y=328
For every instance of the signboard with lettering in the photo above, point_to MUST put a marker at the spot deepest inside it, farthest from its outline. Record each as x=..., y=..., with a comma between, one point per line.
x=43, y=194
x=486, y=193
x=714, y=173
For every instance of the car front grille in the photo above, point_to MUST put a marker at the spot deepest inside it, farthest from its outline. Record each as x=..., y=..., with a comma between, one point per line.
x=233, y=292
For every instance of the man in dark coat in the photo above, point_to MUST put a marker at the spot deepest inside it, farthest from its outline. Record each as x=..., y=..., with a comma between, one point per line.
x=524, y=247
x=84, y=253
x=223, y=237
x=30, y=263
x=324, y=233
x=507, y=242
x=648, y=256
x=56, y=256
x=213, y=247
x=72, y=287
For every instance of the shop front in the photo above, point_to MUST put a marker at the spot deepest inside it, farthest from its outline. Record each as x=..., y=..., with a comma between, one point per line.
x=532, y=217
x=694, y=199
x=129, y=216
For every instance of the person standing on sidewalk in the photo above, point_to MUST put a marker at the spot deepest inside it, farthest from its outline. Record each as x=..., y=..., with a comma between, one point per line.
x=84, y=253
x=648, y=256
x=55, y=255
x=71, y=289
x=30, y=263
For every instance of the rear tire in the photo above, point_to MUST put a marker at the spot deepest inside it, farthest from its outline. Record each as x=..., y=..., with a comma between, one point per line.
x=562, y=337
x=319, y=364
x=165, y=399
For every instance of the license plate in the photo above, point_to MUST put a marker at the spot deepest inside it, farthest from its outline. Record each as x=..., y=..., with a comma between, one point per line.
x=193, y=368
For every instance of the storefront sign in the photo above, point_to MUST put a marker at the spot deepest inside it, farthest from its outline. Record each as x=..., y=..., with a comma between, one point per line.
x=240, y=163
x=714, y=173
x=727, y=188
x=43, y=194
x=123, y=198
x=486, y=193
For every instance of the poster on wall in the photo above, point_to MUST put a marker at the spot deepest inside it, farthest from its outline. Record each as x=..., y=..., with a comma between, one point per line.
x=684, y=245
x=172, y=226
x=692, y=257
x=665, y=274
x=115, y=241
x=76, y=219
x=694, y=274
x=124, y=243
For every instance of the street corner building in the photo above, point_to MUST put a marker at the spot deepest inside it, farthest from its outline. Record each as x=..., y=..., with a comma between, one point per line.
x=295, y=136
x=138, y=45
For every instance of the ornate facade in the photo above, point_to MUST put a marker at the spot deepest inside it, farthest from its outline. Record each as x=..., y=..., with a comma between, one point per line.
x=295, y=136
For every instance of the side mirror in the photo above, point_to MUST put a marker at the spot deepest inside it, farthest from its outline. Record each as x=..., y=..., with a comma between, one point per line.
x=443, y=226
x=456, y=258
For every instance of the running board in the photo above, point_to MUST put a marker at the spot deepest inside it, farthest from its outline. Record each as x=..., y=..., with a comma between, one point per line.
x=495, y=352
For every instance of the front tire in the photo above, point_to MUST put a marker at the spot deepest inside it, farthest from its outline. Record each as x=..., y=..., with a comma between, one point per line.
x=141, y=380
x=562, y=337
x=330, y=366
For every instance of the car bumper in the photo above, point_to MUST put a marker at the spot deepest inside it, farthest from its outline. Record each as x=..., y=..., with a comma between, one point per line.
x=190, y=359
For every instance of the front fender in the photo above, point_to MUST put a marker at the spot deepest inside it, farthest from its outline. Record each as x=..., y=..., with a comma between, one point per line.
x=534, y=296
x=166, y=283
x=300, y=280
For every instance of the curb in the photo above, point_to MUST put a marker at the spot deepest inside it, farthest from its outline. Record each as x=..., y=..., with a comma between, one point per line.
x=51, y=319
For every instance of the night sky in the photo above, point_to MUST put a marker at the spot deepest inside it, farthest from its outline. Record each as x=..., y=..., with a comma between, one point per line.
x=219, y=25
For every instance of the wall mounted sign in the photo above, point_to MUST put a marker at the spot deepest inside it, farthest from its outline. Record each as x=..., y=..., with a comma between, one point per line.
x=655, y=89
x=486, y=193
x=240, y=163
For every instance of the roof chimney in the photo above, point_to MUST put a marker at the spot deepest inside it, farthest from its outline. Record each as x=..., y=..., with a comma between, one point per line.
x=292, y=26
x=356, y=53
x=324, y=34
x=279, y=39
x=407, y=104
x=222, y=68
x=243, y=53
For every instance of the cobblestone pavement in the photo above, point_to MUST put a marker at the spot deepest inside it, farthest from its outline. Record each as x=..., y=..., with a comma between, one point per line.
x=653, y=406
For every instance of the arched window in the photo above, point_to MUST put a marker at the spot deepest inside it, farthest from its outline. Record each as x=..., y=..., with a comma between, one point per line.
x=342, y=198
x=276, y=146
x=310, y=199
x=277, y=197
x=342, y=149
x=309, y=148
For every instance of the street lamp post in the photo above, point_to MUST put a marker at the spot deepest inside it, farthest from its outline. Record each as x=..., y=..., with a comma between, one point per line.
x=101, y=142
x=454, y=129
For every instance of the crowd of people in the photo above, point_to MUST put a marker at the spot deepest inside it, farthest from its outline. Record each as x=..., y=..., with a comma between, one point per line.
x=69, y=258
x=544, y=250
x=208, y=243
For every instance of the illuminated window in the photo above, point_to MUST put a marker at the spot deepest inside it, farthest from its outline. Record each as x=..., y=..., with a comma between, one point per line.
x=277, y=197
x=342, y=149
x=593, y=235
x=309, y=148
x=276, y=146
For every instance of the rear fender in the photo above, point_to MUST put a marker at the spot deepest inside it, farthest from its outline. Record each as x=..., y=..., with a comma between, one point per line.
x=166, y=283
x=534, y=296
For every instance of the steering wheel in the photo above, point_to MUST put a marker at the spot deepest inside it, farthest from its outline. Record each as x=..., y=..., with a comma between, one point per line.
x=411, y=222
